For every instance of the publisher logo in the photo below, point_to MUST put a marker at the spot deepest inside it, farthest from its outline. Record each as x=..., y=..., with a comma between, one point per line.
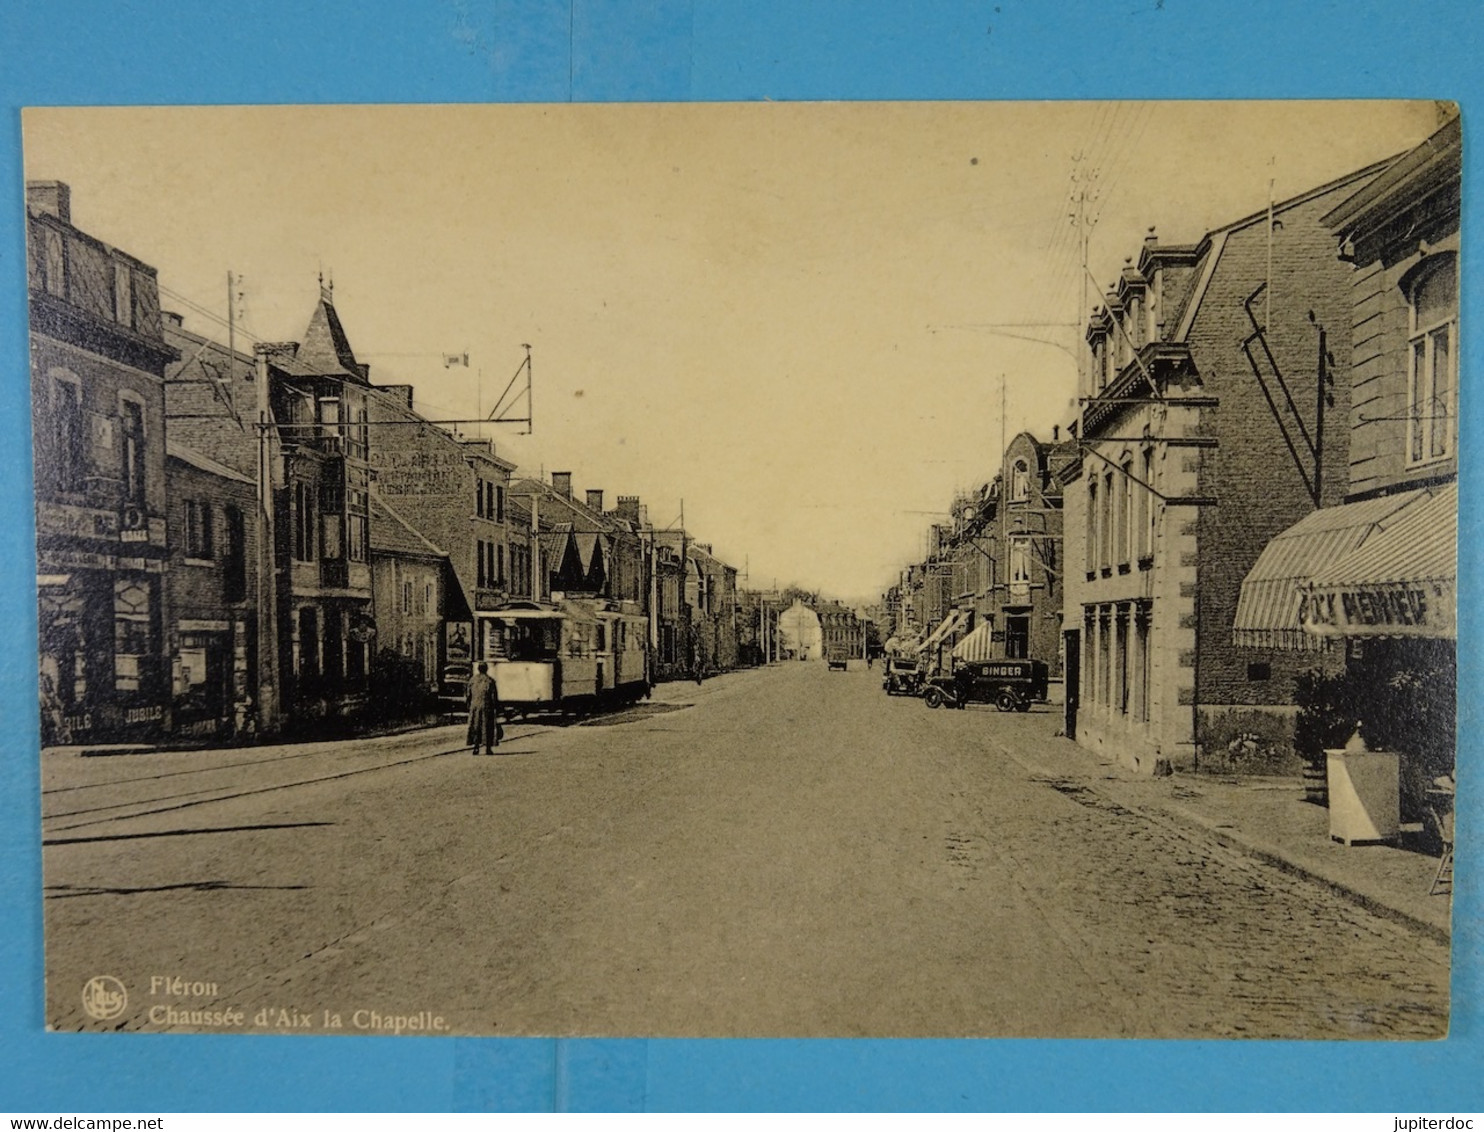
x=104, y=997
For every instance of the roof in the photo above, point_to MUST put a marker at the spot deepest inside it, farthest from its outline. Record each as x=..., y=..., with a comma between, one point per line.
x=1436, y=163
x=325, y=348
x=187, y=455
x=390, y=533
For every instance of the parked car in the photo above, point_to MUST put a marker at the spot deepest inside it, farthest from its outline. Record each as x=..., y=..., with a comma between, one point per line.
x=903, y=676
x=1011, y=685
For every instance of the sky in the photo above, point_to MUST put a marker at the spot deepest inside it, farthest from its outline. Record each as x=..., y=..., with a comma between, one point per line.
x=794, y=323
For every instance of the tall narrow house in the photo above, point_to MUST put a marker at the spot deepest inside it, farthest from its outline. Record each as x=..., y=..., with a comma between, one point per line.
x=98, y=358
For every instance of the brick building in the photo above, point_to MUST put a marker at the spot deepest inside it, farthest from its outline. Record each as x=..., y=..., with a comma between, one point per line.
x=1374, y=578
x=454, y=493
x=410, y=577
x=98, y=358
x=1200, y=442
x=213, y=594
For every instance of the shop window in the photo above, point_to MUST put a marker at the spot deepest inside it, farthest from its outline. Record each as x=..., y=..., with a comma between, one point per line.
x=308, y=642
x=133, y=633
x=1432, y=372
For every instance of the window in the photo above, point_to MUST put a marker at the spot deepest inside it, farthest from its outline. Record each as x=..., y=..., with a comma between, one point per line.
x=499, y=504
x=1092, y=524
x=1020, y=561
x=1105, y=548
x=427, y=597
x=479, y=499
x=123, y=295
x=303, y=522
x=1125, y=512
x=1020, y=482
x=55, y=253
x=356, y=538
x=330, y=532
x=1147, y=509
x=406, y=597
x=66, y=433
x=198, y=529
x=479, y=579
x=131, y=414
x=234, y=568
x=1432, y=374
x=500, y=564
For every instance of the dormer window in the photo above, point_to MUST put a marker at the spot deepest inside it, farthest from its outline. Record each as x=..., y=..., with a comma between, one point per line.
x=1020, y=482
x=1432, y=371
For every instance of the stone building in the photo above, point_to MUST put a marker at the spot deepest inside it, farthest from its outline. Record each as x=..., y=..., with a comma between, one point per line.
x=98, y=358
x=1200, y=441
x=410, y=577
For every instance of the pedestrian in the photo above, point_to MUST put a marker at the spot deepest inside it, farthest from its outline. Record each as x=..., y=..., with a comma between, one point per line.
x=484, y=712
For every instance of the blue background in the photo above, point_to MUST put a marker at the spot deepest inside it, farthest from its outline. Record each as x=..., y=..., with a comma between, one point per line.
x=280, y=51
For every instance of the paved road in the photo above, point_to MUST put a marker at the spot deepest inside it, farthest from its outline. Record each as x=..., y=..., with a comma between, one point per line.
x=778, y=852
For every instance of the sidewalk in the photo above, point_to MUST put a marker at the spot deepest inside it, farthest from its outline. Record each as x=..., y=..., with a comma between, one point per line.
x=1268, y=819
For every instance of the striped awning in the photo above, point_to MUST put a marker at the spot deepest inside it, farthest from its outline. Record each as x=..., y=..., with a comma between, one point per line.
x=1268, y=607
x=950, y=623
x=1402, y=581
x=978, y=645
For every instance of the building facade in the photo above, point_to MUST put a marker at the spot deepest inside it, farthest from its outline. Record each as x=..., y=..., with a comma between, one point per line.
x=98, y=358
x=1203, y=434
x=1370, y=583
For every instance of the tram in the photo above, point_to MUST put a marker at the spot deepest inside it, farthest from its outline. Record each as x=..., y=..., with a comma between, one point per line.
x=573, y=656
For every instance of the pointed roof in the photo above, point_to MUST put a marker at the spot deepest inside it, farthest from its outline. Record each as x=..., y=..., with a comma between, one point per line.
x=325, y=346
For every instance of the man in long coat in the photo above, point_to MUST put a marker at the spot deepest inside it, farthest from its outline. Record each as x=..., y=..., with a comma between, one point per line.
x=484, y=712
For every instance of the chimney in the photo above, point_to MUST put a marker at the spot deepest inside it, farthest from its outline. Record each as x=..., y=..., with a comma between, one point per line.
x=628, y=507
x=402, y=393
x=595, y=499
x=51, y=197
x=561, y=483
x=1055, y=433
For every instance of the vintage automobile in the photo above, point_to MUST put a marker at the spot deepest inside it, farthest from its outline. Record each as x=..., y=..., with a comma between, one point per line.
x=903, y=676
x=837, y=657
x=1011, y=685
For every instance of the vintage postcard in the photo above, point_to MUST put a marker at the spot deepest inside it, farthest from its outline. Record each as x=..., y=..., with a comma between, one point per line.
x=838, y=569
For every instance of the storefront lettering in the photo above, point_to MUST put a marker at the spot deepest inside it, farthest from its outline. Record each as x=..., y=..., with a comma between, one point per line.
x=1402, y=607
x=152, y=714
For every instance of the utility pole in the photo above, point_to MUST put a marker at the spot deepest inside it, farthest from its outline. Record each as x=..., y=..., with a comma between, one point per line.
x=267, y=564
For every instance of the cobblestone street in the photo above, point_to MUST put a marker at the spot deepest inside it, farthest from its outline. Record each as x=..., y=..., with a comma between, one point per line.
x=778, y=852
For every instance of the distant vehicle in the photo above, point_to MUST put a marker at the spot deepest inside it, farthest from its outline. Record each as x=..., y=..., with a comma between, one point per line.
x=837, y=657
x=454, y=684
x=903, y=676
x=1011, y=685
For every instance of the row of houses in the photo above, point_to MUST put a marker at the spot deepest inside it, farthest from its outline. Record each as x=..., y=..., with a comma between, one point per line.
x=1255, y=508
x=235, y=541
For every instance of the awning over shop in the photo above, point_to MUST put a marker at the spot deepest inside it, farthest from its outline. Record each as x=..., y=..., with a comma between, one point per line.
x=1268, y=608
x=949, y=625
x=1401, y=581
x=978, y=645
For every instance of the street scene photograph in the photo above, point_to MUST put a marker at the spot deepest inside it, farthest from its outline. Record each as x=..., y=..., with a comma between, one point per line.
x=898, y=569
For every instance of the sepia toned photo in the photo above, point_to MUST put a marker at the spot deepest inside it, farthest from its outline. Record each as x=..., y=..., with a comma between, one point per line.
x=747, y=570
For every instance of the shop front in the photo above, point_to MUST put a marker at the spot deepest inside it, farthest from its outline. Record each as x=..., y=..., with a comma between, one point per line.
x=1372, y=586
